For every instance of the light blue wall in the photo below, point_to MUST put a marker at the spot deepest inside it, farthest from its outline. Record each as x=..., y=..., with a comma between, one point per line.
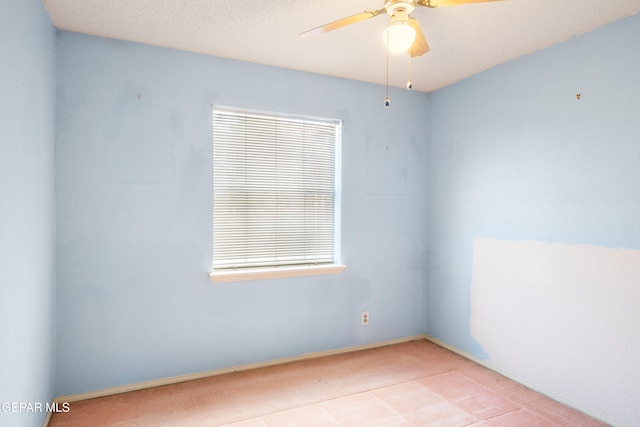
x=515, y=156
x=27, y=101
x=134, y=200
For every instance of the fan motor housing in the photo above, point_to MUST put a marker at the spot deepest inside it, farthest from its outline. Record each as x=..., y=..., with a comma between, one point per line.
x=393, y=6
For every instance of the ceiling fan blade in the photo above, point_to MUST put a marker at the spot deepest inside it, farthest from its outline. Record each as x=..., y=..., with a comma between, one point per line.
x=419, y=46
x=445, y=3
x=344, y=22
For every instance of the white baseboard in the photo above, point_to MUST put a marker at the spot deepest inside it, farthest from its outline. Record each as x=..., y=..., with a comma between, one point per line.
x=519, y=380
x=200, y=375
x=46, y=420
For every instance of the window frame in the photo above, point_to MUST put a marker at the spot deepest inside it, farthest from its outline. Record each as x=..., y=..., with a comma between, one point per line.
x=283, y=271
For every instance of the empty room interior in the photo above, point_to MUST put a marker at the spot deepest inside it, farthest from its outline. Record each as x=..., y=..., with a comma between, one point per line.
x=492, y=211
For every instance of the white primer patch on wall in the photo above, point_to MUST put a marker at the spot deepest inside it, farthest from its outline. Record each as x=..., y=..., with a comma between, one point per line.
x=563, y=317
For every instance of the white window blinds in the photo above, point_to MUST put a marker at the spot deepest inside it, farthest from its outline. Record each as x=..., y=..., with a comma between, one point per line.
x=274, y=190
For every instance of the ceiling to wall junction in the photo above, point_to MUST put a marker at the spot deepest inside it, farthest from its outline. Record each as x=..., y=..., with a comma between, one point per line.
x=464, y=40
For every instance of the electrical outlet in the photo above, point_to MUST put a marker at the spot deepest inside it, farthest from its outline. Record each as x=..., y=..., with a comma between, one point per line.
x=364, y=318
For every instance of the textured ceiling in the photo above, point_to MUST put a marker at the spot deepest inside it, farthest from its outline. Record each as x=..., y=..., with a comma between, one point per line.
x=464, y=40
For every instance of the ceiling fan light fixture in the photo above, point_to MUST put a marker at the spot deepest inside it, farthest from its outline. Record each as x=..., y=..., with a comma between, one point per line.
x=399, y=35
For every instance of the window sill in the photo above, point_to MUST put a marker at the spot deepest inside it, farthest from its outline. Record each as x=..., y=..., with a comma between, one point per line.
x=274, y=273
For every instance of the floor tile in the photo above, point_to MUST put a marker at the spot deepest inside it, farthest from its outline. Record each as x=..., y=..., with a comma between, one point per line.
x=486, y=405
x=308, y=416
x=253, y=422
x=522, y=395
x=562, y=414
x=521, y=417
x=364, y=409
x=422, y=407
x=453, y=385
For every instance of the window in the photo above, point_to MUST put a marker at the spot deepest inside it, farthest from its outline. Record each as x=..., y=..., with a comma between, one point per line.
x=276, y=199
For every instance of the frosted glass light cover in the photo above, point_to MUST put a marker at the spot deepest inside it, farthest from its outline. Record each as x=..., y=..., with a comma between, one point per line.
x=398, y=37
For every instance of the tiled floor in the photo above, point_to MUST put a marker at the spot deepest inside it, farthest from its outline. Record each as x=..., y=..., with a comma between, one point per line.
x=411, y=384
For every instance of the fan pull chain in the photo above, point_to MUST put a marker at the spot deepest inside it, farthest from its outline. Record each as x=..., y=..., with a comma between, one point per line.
x=387, y=103
x=409, y=82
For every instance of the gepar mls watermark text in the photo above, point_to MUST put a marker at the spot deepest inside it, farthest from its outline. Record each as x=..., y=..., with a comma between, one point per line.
x=25, y=407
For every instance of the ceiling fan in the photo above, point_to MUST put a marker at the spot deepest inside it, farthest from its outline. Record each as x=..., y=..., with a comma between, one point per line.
x=404, y=33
